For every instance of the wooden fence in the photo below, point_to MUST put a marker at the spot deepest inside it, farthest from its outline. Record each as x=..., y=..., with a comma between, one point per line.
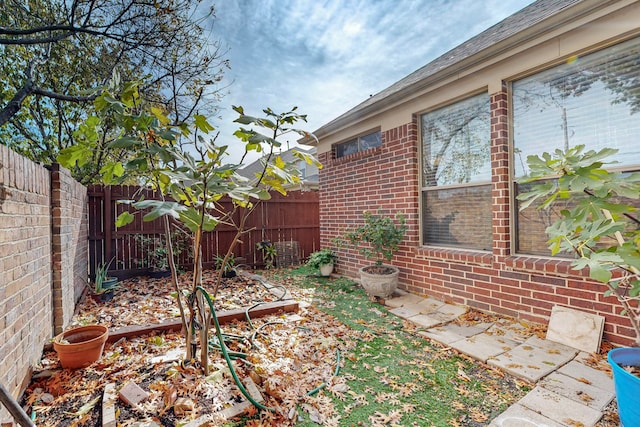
x=292, y=223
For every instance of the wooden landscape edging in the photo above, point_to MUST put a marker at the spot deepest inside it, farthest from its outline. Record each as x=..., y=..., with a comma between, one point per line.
x=224, y=317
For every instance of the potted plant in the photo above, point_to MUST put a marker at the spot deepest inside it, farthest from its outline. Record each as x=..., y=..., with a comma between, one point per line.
x=155, y=257
x=601, y=228
x=80, y=347
x=378, y=239
x=228, y=268
x=103, y=284
x=324, y=260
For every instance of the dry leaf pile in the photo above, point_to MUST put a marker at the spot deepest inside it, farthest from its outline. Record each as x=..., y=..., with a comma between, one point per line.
x=314, y=367
x=290, y=356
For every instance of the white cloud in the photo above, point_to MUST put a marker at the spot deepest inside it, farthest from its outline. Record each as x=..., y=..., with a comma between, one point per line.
x=327, y=56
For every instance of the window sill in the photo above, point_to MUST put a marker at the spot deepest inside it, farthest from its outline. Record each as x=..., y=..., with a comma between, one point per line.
x=357, y=156
x=467, y=256
x=539, y=264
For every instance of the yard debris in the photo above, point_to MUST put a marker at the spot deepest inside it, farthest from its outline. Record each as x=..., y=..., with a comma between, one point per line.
x=132, y=394
x=291, y=355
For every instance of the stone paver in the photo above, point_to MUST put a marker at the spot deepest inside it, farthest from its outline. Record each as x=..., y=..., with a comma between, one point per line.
x=534, y=359
x=580, y=392
x=483, y=346
x=450, y=333
x=569, y=393
x=588, y=375
x=453, y=311
x=408, y=310
x=575, y=328
x=560, y=408
x=425, y=320
x=431, y=304
x=403, y=300
x=512, y=331
x=520, y=416
x=442, y=335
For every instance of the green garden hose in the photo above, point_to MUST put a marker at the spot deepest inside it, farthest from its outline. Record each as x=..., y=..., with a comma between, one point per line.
x=225, y=353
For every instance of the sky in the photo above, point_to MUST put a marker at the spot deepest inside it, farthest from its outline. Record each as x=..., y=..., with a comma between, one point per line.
x=327, y=56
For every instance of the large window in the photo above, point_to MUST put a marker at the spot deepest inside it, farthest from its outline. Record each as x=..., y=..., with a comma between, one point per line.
x=456, y=175
x=592, y=100
x=358, y=144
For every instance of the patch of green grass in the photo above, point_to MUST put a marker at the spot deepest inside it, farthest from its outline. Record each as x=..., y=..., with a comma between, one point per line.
x=394, y=375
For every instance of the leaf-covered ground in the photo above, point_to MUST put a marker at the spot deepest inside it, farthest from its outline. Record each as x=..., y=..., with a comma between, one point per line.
x=342, y=360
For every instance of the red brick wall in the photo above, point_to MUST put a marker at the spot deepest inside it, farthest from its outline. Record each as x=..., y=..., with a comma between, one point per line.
x=496, y=281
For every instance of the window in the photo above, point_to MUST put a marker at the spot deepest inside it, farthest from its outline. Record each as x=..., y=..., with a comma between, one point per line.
x=592, y=100
x=358, y=144
x=456, y=175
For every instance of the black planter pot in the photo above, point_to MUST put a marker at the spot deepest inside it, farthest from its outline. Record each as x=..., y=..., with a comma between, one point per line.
x=106, y=295
x=159, y=274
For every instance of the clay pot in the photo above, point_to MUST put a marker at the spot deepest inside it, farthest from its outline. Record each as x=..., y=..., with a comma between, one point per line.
x=80, y=347
x=326, y=269
x=379, y=281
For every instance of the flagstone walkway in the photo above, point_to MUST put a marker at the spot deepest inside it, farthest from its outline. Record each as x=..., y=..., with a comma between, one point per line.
x=567, y=392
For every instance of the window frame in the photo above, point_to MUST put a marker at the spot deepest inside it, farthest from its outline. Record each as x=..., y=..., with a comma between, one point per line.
x=465, y=185
x=358, y=140
x=514, y=211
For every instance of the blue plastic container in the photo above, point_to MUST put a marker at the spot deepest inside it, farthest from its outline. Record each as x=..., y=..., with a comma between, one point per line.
x=627, y=385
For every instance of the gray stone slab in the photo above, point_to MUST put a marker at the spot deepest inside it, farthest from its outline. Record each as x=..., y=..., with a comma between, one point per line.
x=550, y=345
x=578, y=391
x=519, y=416
x=442, y=335
x=430, y=304
x=407, y=311
x=575, y=328
x=403, y=300
x=521, y=368
x=452, y=311
x=468, y=330
x=483, y=346
x=587, y=374
x=534, y=359
x=424, y=320
x=559, y=408
x=509, y=330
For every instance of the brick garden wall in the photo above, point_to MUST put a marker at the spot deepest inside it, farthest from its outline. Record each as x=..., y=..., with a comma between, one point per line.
x=42, y=255
x=69, y=240
x=498, y=280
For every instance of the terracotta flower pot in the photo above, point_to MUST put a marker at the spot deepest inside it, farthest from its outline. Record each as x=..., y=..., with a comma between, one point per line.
x=80, y=347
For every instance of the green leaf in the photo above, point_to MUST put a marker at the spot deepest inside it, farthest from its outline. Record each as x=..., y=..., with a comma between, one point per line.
x=202, y=123
x=193, y=219
x=599, y=273
x=125, y=142
x=159, y=208
x=124, y=218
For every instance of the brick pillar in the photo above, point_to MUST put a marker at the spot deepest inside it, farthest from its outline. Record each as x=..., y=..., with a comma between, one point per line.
x=500, y=188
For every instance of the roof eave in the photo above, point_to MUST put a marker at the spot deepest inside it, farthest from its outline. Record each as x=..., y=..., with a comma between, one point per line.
x=546, y=26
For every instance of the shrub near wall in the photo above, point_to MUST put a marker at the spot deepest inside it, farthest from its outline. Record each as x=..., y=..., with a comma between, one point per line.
x=25, y=267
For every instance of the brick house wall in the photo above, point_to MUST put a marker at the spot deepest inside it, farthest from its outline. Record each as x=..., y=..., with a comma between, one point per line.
x=42, y=245
x=525, y=287
x=515, y=275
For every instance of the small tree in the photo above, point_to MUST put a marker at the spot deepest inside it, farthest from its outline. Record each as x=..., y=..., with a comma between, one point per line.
x=379, y=237
x=602, y=230
x=190, y=183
